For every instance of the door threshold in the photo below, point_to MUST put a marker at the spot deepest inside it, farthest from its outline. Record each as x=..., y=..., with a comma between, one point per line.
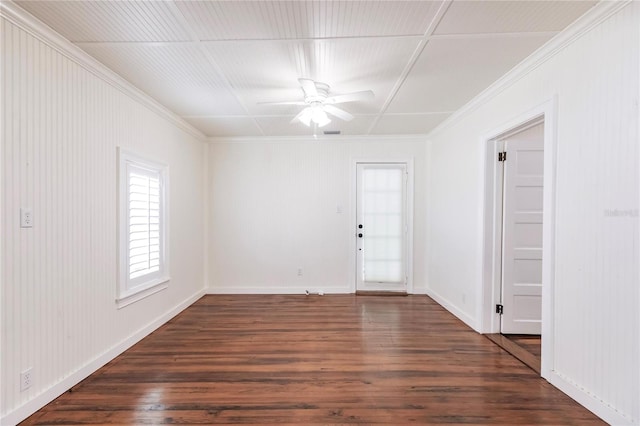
x=380, y=293
x=517, y=351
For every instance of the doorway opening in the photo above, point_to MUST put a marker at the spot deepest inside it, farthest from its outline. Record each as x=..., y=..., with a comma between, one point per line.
x=519, y=203
x=515, y=309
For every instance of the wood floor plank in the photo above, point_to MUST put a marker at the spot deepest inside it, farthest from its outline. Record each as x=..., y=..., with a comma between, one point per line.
x=314, y=360
x=533, y=344
x=518, y=351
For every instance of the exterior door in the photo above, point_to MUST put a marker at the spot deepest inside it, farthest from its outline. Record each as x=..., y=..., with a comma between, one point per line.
x=522, y=232
x=381, y=227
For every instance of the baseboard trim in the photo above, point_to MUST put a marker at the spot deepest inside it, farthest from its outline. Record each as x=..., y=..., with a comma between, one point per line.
x=461, y=315
x=30, y=407
x=581, y=396
x=278, y=290
x=589, y=401
x=380, y=293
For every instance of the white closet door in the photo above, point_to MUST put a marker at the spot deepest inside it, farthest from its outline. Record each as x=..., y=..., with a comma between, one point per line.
x=522, y=233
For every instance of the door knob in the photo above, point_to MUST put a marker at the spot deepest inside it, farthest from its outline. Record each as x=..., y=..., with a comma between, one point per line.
x=360, y=226
x=360, y=235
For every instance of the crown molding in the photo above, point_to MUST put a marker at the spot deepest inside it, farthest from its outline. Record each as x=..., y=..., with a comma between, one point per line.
x=319, y=138
x=596, y=15
x=38, y=29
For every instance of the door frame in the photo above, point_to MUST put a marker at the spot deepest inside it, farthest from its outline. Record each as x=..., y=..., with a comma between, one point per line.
x=491, y=243
x=353, y=196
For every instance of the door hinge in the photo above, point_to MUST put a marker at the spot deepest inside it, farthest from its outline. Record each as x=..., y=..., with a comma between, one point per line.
x=499, y=309
x=502, y=156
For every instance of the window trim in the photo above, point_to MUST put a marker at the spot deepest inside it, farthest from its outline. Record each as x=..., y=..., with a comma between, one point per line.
x=128, y=290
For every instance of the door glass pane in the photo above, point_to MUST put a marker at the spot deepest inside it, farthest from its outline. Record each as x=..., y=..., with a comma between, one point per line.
x=382, y=204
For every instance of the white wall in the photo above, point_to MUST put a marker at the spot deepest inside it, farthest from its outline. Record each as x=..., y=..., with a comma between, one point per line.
x=61, y=124
x=274, y=210
x=596, y=355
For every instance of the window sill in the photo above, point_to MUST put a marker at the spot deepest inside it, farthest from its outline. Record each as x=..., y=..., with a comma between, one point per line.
x=152, y=287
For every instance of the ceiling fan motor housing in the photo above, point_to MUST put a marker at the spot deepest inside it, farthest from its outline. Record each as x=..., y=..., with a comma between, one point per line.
x=322, y=90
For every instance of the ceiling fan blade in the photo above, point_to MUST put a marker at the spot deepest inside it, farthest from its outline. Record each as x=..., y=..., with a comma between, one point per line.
x=340, y=113
x=308, y=86
x=350, y=97
x=283, y=103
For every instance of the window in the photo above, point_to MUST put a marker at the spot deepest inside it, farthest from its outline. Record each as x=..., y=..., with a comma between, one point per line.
x=142, y=226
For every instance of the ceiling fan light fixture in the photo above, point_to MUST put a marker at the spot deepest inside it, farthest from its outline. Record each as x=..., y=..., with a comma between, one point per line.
x=315, y=114
x=305, y=116
x=319, y=116
x=319, y=105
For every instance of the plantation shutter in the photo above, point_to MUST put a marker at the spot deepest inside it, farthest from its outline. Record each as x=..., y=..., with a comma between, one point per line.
x=144, y=222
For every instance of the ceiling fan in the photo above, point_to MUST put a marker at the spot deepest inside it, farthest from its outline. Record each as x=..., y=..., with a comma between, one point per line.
x=318, y=103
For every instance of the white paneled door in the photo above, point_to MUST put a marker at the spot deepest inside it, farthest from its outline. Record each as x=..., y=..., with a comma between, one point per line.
x=522, y=232
x=381, y=234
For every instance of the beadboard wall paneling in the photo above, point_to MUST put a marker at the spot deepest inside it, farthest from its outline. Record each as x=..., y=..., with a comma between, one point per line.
x=596, y=81
x=283, y=205
x=60, y=128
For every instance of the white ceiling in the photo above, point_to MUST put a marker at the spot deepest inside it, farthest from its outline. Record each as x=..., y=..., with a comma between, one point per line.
x=211, y=62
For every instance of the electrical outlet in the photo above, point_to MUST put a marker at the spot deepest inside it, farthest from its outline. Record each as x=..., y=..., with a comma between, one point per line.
x=26, y=379
x=299, y=272
x=26, y=218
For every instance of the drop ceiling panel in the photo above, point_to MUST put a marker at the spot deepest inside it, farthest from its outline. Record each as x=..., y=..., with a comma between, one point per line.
x=281, y=126
x=242, y=20
x=450, y=72
x=213, y=61
x=347, y=65
x=408, y=124
x=179, y=76
x=264, y=71
x=225, y=126
x=83, y=21
x=465, y=17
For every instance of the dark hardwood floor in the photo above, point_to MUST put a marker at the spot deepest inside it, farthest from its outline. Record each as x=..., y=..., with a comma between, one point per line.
x=314, y=359
x=521, y=347
x=531, y=344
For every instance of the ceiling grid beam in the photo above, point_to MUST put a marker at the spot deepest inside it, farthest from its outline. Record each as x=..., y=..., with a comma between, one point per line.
x=214, y=62
x=177, y=13
x=444, y=6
